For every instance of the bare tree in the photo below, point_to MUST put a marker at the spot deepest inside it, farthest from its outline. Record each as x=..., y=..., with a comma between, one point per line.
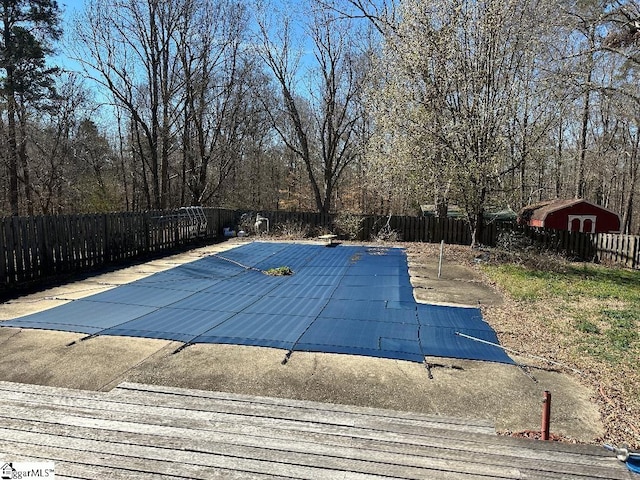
x=320, y=126
x=218, y=82
x=49, y=151
x=129, y=48
x=459, y=61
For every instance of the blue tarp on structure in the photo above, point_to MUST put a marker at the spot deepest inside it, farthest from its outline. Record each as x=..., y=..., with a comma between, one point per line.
x=346, y=299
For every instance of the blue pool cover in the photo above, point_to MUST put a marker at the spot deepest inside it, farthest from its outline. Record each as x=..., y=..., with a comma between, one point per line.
x=347, y=299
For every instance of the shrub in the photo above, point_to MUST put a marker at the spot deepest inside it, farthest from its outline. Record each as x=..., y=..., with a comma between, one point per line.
x=348, y=225
x=386, y=233
x=293, y=230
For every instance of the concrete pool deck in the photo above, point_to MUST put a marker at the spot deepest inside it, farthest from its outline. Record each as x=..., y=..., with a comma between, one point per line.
x=502, y=394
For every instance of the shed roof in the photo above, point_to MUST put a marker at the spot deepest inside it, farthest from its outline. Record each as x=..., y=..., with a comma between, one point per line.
x=539, y=211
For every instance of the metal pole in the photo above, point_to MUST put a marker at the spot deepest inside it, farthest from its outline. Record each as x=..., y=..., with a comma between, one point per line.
x=546, y=415
x=440, y=262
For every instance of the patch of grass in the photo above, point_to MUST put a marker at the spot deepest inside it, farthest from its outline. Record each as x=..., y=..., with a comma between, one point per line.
x=586, y=326
x=279, y=271
x=589, y=316
x=598, y=350
x=623, y=331
x=591, y=281
x=523, y=283
x=596, y=301
x=621, y=339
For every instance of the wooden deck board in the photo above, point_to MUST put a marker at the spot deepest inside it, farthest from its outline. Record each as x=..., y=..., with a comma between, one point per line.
x=75, y=464
x=353, y=457
x=159, y=431
x=127, y=388
x=286, y=426
x=307, y=452
x=260, y=406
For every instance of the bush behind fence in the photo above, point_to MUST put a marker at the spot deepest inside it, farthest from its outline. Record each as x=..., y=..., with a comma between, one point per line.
x=35, y=248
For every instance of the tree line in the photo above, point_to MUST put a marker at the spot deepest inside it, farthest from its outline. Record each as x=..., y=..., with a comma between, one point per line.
x=368, y=106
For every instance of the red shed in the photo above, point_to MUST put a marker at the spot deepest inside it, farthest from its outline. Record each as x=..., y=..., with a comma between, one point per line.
x=573, y=215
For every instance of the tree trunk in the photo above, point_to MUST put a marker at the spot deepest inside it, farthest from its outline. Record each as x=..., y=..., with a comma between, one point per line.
x=558, y=185
x=14, y=197
x=586, y=113
x=633, y=180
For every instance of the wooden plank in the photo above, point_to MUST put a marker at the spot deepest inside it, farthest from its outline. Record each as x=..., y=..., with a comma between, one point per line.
x=118, y=235
x=148, y=391
x=124, y=223
x=345, y=452
x=28, y=248
x=80, y=235
x=75, y=464
x=429, y=229
x=43, y=250
x=601, y=242
x=21, y=249
x=18, y=241
x=412, y=229
x=75, y=242
x=384, y=420
x=74, y=245
x=89, y=241
x=261, y=415
x=65, y=242
x=626, y=241
x=473, y=446
x=264, y=457
x=97, y=244
x=628, y=251
x=561, y=462
x=104, y=233
x=4, y=278
x=604, y=249
x=50, y=244
x=332, y=422
x=611, y=240
x=12, y=254
x=36, y=263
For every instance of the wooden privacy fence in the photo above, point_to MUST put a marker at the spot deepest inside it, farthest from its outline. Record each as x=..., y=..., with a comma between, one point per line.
x=369, y=227
x=617, y=249
x=33, y=248
x=607, y=248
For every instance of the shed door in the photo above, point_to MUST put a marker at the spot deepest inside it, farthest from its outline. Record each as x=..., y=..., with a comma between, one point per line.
x=589, y=225
x=582, y=223
x=574, y=224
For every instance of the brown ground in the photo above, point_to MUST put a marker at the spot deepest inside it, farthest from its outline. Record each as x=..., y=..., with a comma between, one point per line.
x=507, y=395
x=532, y=328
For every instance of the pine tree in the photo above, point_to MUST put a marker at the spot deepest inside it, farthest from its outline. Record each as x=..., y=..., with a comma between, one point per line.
x=26, y=29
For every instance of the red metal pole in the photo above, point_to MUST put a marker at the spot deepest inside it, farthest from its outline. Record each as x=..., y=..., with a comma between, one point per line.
x=546, y=415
